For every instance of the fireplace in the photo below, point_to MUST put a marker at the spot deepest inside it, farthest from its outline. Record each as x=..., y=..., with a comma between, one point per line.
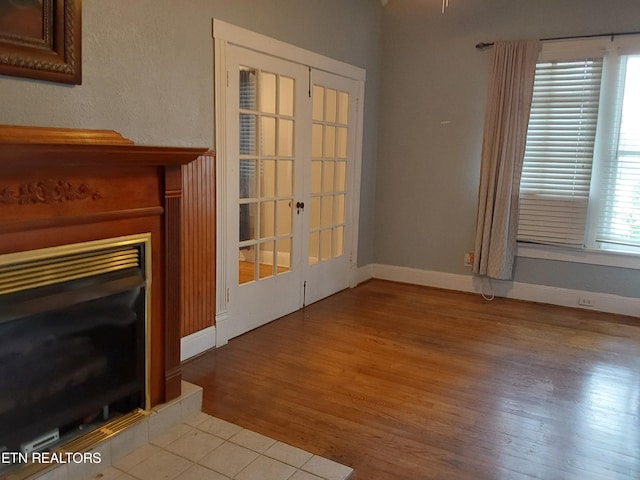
x=73, y=326
x=89, y=280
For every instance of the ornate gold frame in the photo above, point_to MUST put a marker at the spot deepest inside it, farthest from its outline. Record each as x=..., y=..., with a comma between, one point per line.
x=56, y=54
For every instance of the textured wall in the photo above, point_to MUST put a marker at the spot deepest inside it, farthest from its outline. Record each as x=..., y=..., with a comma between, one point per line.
x=431, y=119
x=148, y=70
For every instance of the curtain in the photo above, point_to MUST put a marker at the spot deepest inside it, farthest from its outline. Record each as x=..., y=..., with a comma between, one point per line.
x=505, y=132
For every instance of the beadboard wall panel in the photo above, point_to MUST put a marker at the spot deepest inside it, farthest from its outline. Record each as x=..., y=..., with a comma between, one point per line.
x=198, y=245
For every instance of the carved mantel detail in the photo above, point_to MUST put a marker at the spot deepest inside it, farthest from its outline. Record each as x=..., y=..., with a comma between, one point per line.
x=47, y=191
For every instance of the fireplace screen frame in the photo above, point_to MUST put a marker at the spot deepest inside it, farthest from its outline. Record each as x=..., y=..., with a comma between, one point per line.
x=139, y=242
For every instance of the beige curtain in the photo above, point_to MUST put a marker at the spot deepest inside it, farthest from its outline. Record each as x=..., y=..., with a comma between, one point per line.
x=505, y=133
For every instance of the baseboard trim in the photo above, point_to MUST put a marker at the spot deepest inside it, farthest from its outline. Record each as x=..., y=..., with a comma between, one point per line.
x=222, y=329
x=218, y=335
x=360, y=275
x=565, y=297
x=197, y=342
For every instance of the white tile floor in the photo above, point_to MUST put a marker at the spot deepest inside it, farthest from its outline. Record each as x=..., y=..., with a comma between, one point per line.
x=202, y=447
x=176, y=441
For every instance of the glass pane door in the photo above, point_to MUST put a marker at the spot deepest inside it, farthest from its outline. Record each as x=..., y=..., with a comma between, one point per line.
x=329, y=146
x=329, y=184
x=266, y=100
x=267, y=153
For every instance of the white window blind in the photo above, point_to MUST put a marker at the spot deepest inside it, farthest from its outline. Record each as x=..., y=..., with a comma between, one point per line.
x=554, y=189
x=619, y=218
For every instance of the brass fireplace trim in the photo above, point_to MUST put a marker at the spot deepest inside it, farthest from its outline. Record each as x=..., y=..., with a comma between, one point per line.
x=43, y=255
x=76, y=257
x=108, y=255
x=49, y=271
x=84, y=443
x=104, y=432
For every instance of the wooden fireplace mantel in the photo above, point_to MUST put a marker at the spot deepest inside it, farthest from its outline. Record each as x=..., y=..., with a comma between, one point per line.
x=63, y=186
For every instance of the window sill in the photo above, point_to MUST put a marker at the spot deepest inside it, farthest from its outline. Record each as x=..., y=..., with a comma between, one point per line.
x=590, y=257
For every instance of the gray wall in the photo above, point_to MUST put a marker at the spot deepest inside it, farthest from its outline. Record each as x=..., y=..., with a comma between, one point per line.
x=148, y=71
x=434, y=85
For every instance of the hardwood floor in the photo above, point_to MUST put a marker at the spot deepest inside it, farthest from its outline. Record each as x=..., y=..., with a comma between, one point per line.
x=247, y=274
x=405, y=382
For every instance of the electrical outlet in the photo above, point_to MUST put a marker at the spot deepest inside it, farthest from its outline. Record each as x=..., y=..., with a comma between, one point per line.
x=586, y=302
x=468, y=259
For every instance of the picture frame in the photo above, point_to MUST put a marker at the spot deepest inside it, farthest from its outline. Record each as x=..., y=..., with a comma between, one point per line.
x=41, y=39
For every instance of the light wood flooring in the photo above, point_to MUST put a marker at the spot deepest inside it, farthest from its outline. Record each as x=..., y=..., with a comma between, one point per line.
x=246, y=271
x=404, y=382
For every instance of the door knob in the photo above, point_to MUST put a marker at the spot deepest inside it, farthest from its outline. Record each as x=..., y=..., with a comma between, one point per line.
x=299, y=206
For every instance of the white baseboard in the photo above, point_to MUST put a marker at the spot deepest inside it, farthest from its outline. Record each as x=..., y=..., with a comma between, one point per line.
x=429, y=278
x=603, y=302
x=360, y=275
x=222, y=329
x=197, y=342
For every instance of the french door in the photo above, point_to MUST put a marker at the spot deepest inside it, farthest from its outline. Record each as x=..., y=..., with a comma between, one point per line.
x=289, y=150
x=267, y=146
x=328, y=225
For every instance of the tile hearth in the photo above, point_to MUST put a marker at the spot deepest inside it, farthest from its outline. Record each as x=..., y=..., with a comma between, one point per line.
x=179, y=442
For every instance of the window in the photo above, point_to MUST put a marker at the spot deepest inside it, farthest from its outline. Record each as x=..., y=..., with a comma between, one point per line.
x=580, y=185
x=619, y=219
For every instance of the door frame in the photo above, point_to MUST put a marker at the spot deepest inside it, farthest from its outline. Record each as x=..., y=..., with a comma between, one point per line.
x=224, y=34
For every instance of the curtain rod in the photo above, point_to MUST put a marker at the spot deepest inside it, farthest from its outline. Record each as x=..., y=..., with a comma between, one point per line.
x=483, y=45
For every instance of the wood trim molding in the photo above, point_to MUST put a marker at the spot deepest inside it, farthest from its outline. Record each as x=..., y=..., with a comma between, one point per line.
x=24, y=134
x=81, y=219
x=62, y=186
x=173, y=282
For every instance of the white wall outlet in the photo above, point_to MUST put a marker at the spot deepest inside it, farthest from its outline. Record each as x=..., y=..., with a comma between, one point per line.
x=468, y=259
x=586, y=302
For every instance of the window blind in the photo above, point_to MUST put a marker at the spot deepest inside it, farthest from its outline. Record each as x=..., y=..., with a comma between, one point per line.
x=619, y=220
x=556, y=175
